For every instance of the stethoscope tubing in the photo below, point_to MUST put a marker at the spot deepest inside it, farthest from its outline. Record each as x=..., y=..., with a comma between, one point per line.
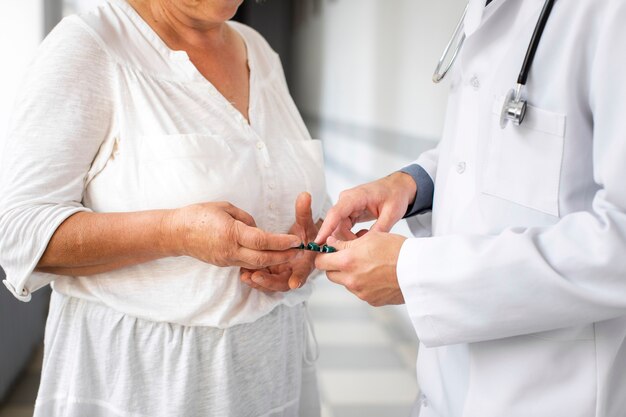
x=531, y=52
x=459, y=34
x=534, y=42
x=514, y=108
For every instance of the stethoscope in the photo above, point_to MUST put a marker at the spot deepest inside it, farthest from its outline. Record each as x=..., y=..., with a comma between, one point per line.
x=514, y=108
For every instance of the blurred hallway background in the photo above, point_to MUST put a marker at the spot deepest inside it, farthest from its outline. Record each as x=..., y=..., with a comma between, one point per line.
x=360, y=72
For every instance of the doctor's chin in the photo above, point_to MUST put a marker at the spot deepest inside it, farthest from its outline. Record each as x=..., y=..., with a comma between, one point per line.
x=313, y=208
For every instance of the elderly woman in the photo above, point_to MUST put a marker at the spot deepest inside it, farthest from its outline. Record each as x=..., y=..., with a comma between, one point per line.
x=154, y=153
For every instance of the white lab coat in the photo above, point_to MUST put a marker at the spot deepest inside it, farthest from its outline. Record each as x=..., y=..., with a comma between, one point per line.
x=519, y=298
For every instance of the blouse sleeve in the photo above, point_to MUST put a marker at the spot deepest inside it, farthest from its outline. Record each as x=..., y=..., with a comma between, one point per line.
x=62, y=115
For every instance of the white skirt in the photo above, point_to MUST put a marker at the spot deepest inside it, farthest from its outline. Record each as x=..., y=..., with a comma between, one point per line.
x=99, y=362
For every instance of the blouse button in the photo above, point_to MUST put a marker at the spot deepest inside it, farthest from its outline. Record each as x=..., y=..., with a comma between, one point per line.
x=260, y=145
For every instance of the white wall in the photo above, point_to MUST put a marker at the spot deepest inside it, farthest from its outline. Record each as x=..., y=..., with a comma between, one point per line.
x=21, y=30
x=370, y=63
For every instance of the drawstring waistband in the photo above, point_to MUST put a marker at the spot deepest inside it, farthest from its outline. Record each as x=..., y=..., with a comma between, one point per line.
x=311, y=347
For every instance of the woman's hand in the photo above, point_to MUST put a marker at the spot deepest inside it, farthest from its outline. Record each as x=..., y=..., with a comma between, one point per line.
x=224, y=235
x=293, y=274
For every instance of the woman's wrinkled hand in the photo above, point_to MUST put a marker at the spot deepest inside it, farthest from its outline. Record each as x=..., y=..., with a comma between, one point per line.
x=224, y=235
x=293, y=274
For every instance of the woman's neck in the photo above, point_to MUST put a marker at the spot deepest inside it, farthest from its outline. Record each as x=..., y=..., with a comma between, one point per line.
x=178, y=29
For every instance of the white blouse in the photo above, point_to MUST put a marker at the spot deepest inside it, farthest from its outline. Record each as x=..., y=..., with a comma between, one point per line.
x=110, y=119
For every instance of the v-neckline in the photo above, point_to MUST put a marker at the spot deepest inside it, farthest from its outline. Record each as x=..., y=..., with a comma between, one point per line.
x=182, y=57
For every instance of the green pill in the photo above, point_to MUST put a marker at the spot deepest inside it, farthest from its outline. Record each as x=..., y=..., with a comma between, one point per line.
x=328, y=249
x=313, y=247
x=301, y=246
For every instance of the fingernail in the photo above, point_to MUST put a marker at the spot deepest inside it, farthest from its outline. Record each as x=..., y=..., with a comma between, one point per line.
x=258, y=278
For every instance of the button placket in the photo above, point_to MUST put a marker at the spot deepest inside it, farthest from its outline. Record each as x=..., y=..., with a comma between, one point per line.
x=475, y=82
x=270, y=192
x=269, y=181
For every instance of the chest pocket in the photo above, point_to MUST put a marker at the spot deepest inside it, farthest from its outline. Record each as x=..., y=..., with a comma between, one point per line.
x=177, y=170
x=523, y=163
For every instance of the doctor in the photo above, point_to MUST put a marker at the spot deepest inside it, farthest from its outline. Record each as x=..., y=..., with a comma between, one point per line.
x=519, y=296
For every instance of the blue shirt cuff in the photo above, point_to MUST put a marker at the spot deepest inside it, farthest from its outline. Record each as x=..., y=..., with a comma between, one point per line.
x=425, y=190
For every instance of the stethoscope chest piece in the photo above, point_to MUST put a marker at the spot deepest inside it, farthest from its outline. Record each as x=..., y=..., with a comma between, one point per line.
x=514, y=108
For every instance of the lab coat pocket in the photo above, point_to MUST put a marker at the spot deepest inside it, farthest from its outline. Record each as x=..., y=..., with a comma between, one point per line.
x=523, y=163
x=529, y=376
x=178, y=170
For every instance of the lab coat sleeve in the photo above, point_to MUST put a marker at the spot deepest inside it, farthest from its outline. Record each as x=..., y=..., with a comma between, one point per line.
x=424, y=194
x=61, y=117
x=462, y=289
x=418, y=216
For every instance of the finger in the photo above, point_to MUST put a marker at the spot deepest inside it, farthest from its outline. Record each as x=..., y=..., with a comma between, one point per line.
x=337, y=277
x=298, y=230
x=295, y=282
x=338, y=261
x=385, y=221
x=304, y=213
x=239, y=214
x=340, y=244
x=243, y=271
x=299, y=276
x=336, y=215
x=298, y=280
x=255, y=259
x=272, y=282
x=253, y=238
x=331, y=222
x=246, y=278
x=279, y=269
x=343, y=233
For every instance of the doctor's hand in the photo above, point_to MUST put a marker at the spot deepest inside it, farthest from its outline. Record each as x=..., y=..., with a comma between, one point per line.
x=293, y=274
x=385, y=200
x=224, y=235
x=366, y=267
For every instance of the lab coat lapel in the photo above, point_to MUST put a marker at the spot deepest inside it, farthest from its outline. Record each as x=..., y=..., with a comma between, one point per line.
x=477, y=14
x=474, y=17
